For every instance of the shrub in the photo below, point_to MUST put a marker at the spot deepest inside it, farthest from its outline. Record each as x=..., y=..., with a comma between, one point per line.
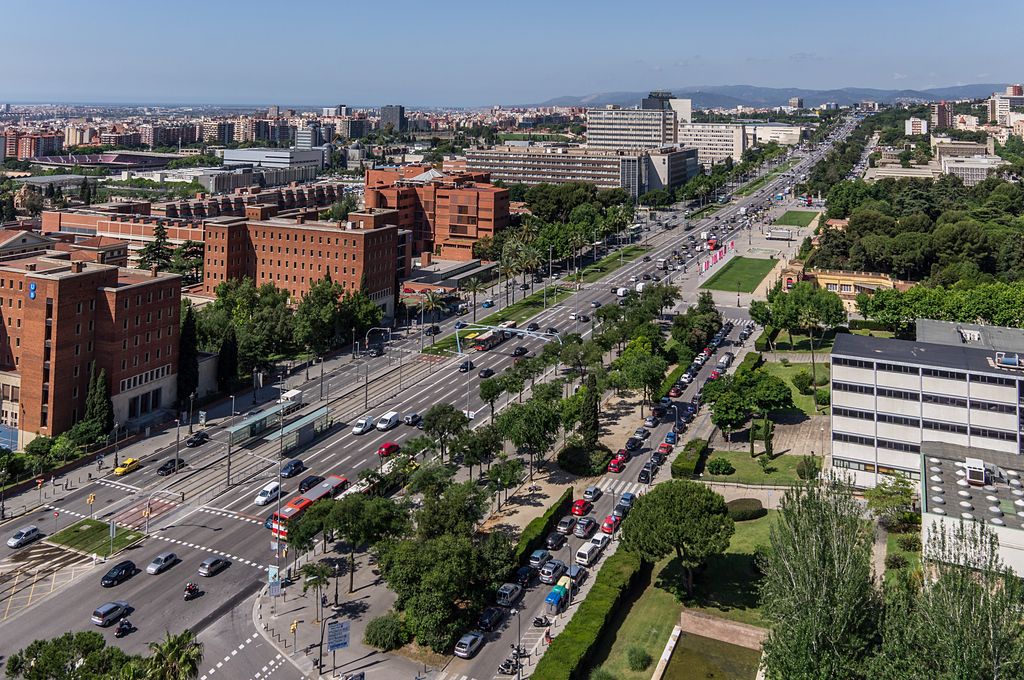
x=638, y=658
x=40, y=446
x=687, y=463
x=822, y=397
x=386, y=632
x=601, y=674
x=571, y=649
x=820, y=378
x=784, y=361
x=720, y=466
x=535, y=532
x=895, y=561
x=808, y=468
x=802, y=381
x=909, y=542
x=744, y=509
x=674, y=375
x=578, y=460
x=765, y=462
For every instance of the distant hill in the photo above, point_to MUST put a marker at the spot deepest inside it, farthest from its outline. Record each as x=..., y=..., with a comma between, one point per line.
x=728, y=96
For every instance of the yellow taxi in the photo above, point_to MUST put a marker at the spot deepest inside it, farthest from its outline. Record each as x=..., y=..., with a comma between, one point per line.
x=126, y=466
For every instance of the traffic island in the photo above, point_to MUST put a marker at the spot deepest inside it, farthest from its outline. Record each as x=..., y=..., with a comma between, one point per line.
x=94, y=538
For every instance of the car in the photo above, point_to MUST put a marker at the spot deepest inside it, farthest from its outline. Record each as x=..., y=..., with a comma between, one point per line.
x=585, y=526
x=525, y=575
x=268, y=493
x=627, y=499
x=533, y=326
x=601, y=541
x=485, y=373
x=376, y=351
x=592, y=493
x=388, y=449
x=620, y=511
x=657, y=458
x=650, y=421
x=524, y=286
x=641, y=433
x=616, y=464
x=595, y=303
x=644, y=477
x=715, y=374
x=647, y=258
x=469, y=644
x=552, y=571
x=624, y=454
x=459, y=325
x=675, y=391
x=538, y=558
x=212, y=566
x=292, y=468
x=126, y=466
x=632, y=444
x=487, y=304
x=572, y=316
x=658, y=410
x=622, y=302
x=120, y=572
x=552, y=330
x=309, y=482
x=108, y=613
x=490, y=618
x=519, y=351
x=432, y=330
x=610, y=524
x=566, y=525
x=197, y=439
x=508, y=594
x=581, y=507
x=634, y=279
x=665, y=401
x=555, y=540
x=268, y=523
x=584, y=318
x=412, y=418
x=686, y=379
x=170, y=467
x=24, y=536
x=646, y=276
x=364, y=425
x=664, y=448
x=162, y=563
x=671, y=438
x=466, y=366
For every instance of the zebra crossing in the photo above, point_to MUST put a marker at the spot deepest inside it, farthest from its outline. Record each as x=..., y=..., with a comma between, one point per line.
x=618, y=486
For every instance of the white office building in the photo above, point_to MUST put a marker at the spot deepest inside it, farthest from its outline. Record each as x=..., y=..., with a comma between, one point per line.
x=784, y=135
x=614, y=128
x=971, y=169
x=915, y=126
x=274, y=158
x=714, y=141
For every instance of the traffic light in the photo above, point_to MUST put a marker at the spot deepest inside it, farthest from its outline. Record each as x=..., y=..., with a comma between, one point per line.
x=91, y=499
x=295, y=626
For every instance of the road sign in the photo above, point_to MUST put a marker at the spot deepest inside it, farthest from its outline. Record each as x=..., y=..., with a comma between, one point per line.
x=337, y=635
x=113, y=530
x=56, y=515
x=275, y=589
x=273, y=546
x=272, y=574
x=202, y=418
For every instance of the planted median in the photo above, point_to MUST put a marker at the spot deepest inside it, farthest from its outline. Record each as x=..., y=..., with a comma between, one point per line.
x=92, y=537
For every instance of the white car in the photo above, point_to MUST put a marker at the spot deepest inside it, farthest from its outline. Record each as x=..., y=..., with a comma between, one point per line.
x=634, y=279
x=364, y=425
x=572, y=316
x=601, y=541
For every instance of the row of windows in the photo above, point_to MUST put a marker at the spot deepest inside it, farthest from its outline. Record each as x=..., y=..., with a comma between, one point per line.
x=943, y=400
x=852, y=363
x=852, y=387
x=940, y=426
x=149, y=297
x=145, y=358
x=897, y=368
x=871, y=442
x=929, y=372
x=948, y=375
x=852, y=413
x=898, y=420
x=899, y=394
x=143, y=378
x=994, y=380
x=870, y=467
x=905, y=447
x=993, y=407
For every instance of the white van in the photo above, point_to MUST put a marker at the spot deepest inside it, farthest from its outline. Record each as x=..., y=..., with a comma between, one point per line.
x=268, y=493
x=389, y=420
x=588, y=554
x=363, y=425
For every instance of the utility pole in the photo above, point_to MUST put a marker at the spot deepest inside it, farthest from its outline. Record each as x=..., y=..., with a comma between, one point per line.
x=191, y=403
x=230, y=420
x=177, y=443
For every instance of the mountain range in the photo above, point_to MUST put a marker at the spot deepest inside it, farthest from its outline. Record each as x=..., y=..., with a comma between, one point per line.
x=730, y=96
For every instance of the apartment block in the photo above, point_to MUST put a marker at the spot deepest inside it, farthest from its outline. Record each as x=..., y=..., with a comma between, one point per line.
x=796, y=102
x=394, y=116
x=957, y=383
x=941, y=115
x=714, y=141
x=614, y=128
x=915, y=126
x=218, y=131
x=33, y=145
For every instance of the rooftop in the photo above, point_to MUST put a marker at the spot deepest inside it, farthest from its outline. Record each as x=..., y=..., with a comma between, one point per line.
x=992, y=338
x=997, y=500
x=924, y=354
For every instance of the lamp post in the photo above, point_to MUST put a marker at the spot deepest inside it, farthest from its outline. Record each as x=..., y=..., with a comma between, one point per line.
x=191, y=403
x=231, y=418
x=116, y=429
x=177, y=442
x=321, y=360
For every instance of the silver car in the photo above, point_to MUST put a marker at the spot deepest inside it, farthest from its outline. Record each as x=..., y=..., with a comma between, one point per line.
x=161, y=563
x=469, y=644
x=107, y=613
x=552, y=571
x=24, y=536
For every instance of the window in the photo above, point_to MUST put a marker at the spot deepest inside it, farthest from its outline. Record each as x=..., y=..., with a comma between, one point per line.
x=852, y=363
x=993, y=434
x=993, y=380
x=943, y=400
x=993, y=407
x=898, y=420
x=898, y=394
x=944, y=427
x=948, y=375
x=852, y=439
x=846, y=288
x=898, y=446
x=897, y=368
x=852, y=413
x=852, y=387
x=831, y=287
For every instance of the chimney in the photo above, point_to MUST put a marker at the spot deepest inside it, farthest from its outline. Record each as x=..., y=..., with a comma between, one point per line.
x=153, y=271
x=300, y=219
x=77, y=267
x=30, y=267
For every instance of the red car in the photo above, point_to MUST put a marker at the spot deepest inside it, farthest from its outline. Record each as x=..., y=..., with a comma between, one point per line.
x=616, y=464
x=624, y=454
x=610, y=524
x=387, y=449
x=665, y=448
x=675, y=392
x=581, y=507
x=715, y=375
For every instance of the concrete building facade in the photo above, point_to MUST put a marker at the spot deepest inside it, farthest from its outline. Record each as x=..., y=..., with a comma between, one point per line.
x=614, y=128
x=714, y=141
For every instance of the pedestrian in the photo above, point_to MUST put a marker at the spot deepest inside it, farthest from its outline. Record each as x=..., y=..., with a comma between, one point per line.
x=547, y=636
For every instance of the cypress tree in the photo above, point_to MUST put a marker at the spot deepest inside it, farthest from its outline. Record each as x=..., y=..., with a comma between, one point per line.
x=188, y=357
x=227, y=361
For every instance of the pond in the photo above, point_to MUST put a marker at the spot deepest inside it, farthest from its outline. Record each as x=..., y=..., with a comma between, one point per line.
x=701, y=658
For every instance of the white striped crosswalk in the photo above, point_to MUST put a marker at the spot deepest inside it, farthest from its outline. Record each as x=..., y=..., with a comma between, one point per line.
x=620, y=486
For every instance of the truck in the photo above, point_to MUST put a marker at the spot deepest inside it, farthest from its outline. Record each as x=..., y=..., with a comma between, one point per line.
x=621, y=292
x=640, y=287
x=777, y=234
x=662, y=263
x=743, y=211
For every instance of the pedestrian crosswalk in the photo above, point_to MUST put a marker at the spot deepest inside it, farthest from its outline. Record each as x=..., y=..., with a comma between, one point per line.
x=619, y=486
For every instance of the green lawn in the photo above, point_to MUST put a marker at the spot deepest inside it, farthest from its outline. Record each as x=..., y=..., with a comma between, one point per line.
x=804, y=402
x=710, y=659
x=782, y=470
x=740, y=274
x=609, y=263
x=870, y=334
x=892, y=547
x=801, y=342
x=796, y=218
x=727, y=588
x=93, y=536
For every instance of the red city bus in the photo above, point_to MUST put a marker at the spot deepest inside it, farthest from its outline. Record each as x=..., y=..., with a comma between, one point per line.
x=297, y=506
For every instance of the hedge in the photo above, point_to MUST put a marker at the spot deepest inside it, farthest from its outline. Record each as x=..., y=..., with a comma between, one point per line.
x=750, y=362
x=744, y=509
x=769, y=333
x=576, y=459
x=536, y=531
x=674, y=375
x=867, y=325
x=688, y=461
x=569, y=656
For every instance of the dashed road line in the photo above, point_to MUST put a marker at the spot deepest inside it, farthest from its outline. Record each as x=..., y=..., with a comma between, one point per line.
x=233, y=558
x=230, y=515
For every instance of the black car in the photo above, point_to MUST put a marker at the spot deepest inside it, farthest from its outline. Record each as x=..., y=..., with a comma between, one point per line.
x=519, y=351
x=646, y=276
x=555, y=540
x=584, y=318
x=170, y=467
x=197, y=439
x=122, y=571
x=486, y=372
x=632, y=444
x=552, y=330
x=644, y=477
x=465, y=366
x=412, y=419
x=658, y=458
x=490, y=619
x=525, y=575
x=376, y=351
x=309, y=482
x=292, y=468
x=647, y=258
x=432, y=330
x=533, y=326
x=524, y=286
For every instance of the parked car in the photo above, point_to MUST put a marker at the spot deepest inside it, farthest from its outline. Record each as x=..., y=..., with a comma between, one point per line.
x=508, y=594
x=525, y=575
x=650, y=421
x=309, y=482
x=490, y=618
x=675, y=392
x=469, y=644
x=292, y=468
x=212, y=566
x=585, y=526
x=552, y=571
x=671, y=438
x=162, y=562
x=644, y=476
x=581, y=507
x=120, y=572
x=620, y=511
x=610, y=524
x=591, y=493
x=555, y=540
x=24, y=536
x=627, y=499
x=641, y=433
x=616, y=464
x=197, y=439
x=601, y=541
x=566, y=525
x=665, y=448
x=657, y=458
x=538, y=558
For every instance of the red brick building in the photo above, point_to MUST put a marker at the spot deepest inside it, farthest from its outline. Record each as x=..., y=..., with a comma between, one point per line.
x=447, y=213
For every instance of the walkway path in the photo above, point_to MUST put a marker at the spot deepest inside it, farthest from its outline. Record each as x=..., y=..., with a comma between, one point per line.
x=733, y=632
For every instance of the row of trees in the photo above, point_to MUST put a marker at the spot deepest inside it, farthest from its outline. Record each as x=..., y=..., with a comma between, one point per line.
x=996, y=303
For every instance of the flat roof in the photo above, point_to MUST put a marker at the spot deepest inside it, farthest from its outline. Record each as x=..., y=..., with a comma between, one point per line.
x=925, y=354
x=946, y=491
x=993, y=338
x=297, y=425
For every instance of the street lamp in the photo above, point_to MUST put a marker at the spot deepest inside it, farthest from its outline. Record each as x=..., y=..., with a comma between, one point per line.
x=191, y=403
x=116, y=429
x=177, y=442
x=231, y=418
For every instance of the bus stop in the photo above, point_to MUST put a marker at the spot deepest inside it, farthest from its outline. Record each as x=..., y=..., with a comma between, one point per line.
x=302, y=431
x=253, y=426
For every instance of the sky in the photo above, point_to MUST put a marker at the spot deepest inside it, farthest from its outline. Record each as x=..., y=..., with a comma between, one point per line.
x=455, y=53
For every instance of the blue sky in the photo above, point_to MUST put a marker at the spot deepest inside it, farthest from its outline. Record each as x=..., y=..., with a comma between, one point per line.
x=457, y=53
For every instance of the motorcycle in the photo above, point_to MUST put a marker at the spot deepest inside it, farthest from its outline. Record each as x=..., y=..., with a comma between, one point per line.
x=508, y=667
x=191, y=590
x=541, y=622
x=124, y=627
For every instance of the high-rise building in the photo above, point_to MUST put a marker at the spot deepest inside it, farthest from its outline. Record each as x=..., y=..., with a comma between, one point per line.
x=1015, y=90
x=35, y=145
x=218, y=131
x=308, y=137
x=333, y=111
x=393, y=115
x=714, y=141
x=658, y=100
x=614, y=128
x=796, y=102
x=273, y=111
x=916, y=126
x=941, y=116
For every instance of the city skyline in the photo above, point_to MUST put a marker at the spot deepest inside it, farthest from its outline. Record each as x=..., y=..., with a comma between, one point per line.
x=497, y=57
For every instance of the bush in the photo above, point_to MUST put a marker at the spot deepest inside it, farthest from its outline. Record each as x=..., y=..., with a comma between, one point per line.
x=808, y=468
x=638, y=658
x=601, y=674
x=745, y=509
x=784, y=361
x=674, y=375
x=750, y=362
x=820, y=379
x=720, y=466
x=578, y=460
x=687, y=463
x=40, y=446
x=570, y=651
x=536, y=531
x=895, y=561
x=909, y=542
x=802, y=381
x=386, y=632
x=822, y=397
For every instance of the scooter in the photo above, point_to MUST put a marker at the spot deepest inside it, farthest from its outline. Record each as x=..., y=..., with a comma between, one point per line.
x=541, y=622
x=191, y=591
x=124, y=627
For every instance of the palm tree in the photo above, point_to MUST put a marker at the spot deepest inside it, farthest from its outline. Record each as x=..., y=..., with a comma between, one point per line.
x=474, y=286
x=176, y=657
x=133, y=670
x=508, y=269
x=315, y=575
x=432, y=302
x=530, y=259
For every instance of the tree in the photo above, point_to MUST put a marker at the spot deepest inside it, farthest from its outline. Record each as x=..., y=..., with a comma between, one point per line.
x=315, y=575
x=317, y=317
x=419, y=445
x=817, y=589
x=730, y=412
x=443, y=423
x=82, y=655
x=531, y=427
x=761, y=313
x=176, y=657
x=490, y=390
x=590, y=413
x=455, y=511
x=227, y=360
x=473, y=286
x=678, y=516
x=33, y=203
x=188, y=356
x=816, y=307
x=891, y=499
x=359, y=520
x=187, y=260
x=504, y=475
x=99, y=409
x=431, y=479
x=156, y=253
x=477, y=446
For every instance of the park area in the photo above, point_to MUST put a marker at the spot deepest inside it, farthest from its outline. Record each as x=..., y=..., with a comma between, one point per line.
x=796, y=218
x=92, y=537
x=740, y=275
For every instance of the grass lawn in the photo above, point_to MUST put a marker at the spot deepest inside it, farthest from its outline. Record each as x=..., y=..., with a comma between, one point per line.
x=740, y=274
x=609, y=263
x=796, y=218
x=801, y=342
x=871, y=334
x=701, y=657
x=93, y=536
x=804, y=402
x=892, y=547
x=709, y=209
x=748, y=470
